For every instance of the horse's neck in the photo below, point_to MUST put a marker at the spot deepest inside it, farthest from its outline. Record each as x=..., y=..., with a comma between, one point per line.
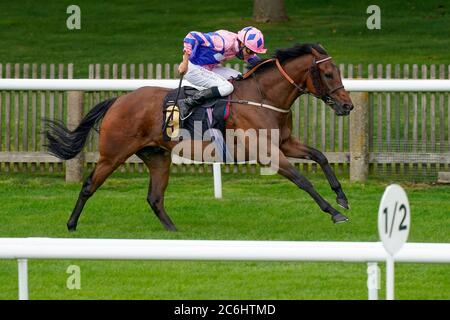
x=273, y=87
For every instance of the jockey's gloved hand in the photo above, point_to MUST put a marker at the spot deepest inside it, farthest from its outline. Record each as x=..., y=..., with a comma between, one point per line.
x=252, y=62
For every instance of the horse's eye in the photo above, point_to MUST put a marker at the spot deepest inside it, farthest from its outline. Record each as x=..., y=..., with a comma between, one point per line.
x=329, y=75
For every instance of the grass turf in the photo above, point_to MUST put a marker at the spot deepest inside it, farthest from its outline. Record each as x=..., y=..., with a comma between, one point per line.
x=253, y=207
x=152, y=31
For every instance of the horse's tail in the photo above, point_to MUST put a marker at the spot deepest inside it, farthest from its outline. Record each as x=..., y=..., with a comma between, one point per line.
x=66, y=144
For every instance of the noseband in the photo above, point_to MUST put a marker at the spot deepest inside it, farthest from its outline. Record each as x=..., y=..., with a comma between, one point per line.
x=322, y=91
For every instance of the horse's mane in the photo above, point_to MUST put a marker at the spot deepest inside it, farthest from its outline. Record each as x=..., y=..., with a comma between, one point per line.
x=287, y=53
x=298, y=50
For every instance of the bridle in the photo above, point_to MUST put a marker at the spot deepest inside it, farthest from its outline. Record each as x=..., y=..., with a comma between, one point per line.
x=322, y=91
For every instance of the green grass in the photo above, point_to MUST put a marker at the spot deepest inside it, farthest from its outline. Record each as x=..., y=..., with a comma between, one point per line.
x=152, y=31
x=253, y=207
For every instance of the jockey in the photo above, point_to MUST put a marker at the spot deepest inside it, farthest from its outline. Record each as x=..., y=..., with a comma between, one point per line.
x=202, y=55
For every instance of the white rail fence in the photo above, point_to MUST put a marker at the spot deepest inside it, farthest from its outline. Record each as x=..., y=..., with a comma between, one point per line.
x=227, y=250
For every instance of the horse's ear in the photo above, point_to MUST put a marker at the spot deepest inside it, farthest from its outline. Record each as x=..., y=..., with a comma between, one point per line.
x=315, y=52
x=321, y=46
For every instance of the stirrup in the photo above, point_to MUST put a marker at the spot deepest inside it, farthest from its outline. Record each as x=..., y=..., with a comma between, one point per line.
x=190, y=113
x=182, y=106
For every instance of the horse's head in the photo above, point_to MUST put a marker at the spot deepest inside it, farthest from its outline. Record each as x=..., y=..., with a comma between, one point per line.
x=313, y=72
x=324, y=81
x=310, y=70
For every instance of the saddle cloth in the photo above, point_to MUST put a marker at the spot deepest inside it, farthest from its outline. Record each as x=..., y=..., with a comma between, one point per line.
x=211, y=115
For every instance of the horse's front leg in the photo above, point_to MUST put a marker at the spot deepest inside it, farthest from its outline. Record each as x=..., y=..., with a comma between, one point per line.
x=289, y=171
x=295, y=149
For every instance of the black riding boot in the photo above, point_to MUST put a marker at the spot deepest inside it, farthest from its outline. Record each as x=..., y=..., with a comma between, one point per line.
x=186, y=105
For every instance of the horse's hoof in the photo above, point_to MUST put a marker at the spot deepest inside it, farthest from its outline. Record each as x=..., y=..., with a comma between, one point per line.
x=71, y=228
x=343, y=203
x=339, y=218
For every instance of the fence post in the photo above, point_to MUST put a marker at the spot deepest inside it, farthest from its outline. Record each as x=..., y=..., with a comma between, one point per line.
x=23, y=278
x=74, y=167
x=359, y=137
x=217, y=180
x=373, y=280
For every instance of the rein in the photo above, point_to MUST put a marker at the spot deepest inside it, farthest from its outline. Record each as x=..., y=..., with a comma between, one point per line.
x=259, y=104
x=249, y=73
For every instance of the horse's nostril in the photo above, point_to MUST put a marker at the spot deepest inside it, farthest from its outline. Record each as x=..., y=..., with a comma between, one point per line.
x=350, y=107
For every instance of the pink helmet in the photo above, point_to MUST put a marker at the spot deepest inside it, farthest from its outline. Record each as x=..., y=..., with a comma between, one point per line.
x=253, y=39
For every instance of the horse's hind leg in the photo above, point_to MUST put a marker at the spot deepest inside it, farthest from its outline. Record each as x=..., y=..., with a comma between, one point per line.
x=295, y=149
x=158, y=162
x=102, y=170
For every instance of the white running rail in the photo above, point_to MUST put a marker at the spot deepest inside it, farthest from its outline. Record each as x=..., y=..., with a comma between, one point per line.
x=226, y=250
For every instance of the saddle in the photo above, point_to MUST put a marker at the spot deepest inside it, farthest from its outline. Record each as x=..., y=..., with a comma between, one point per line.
x=210, y=115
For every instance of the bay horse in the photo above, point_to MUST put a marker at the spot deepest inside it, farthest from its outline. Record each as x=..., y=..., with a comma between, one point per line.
x=131, y=124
